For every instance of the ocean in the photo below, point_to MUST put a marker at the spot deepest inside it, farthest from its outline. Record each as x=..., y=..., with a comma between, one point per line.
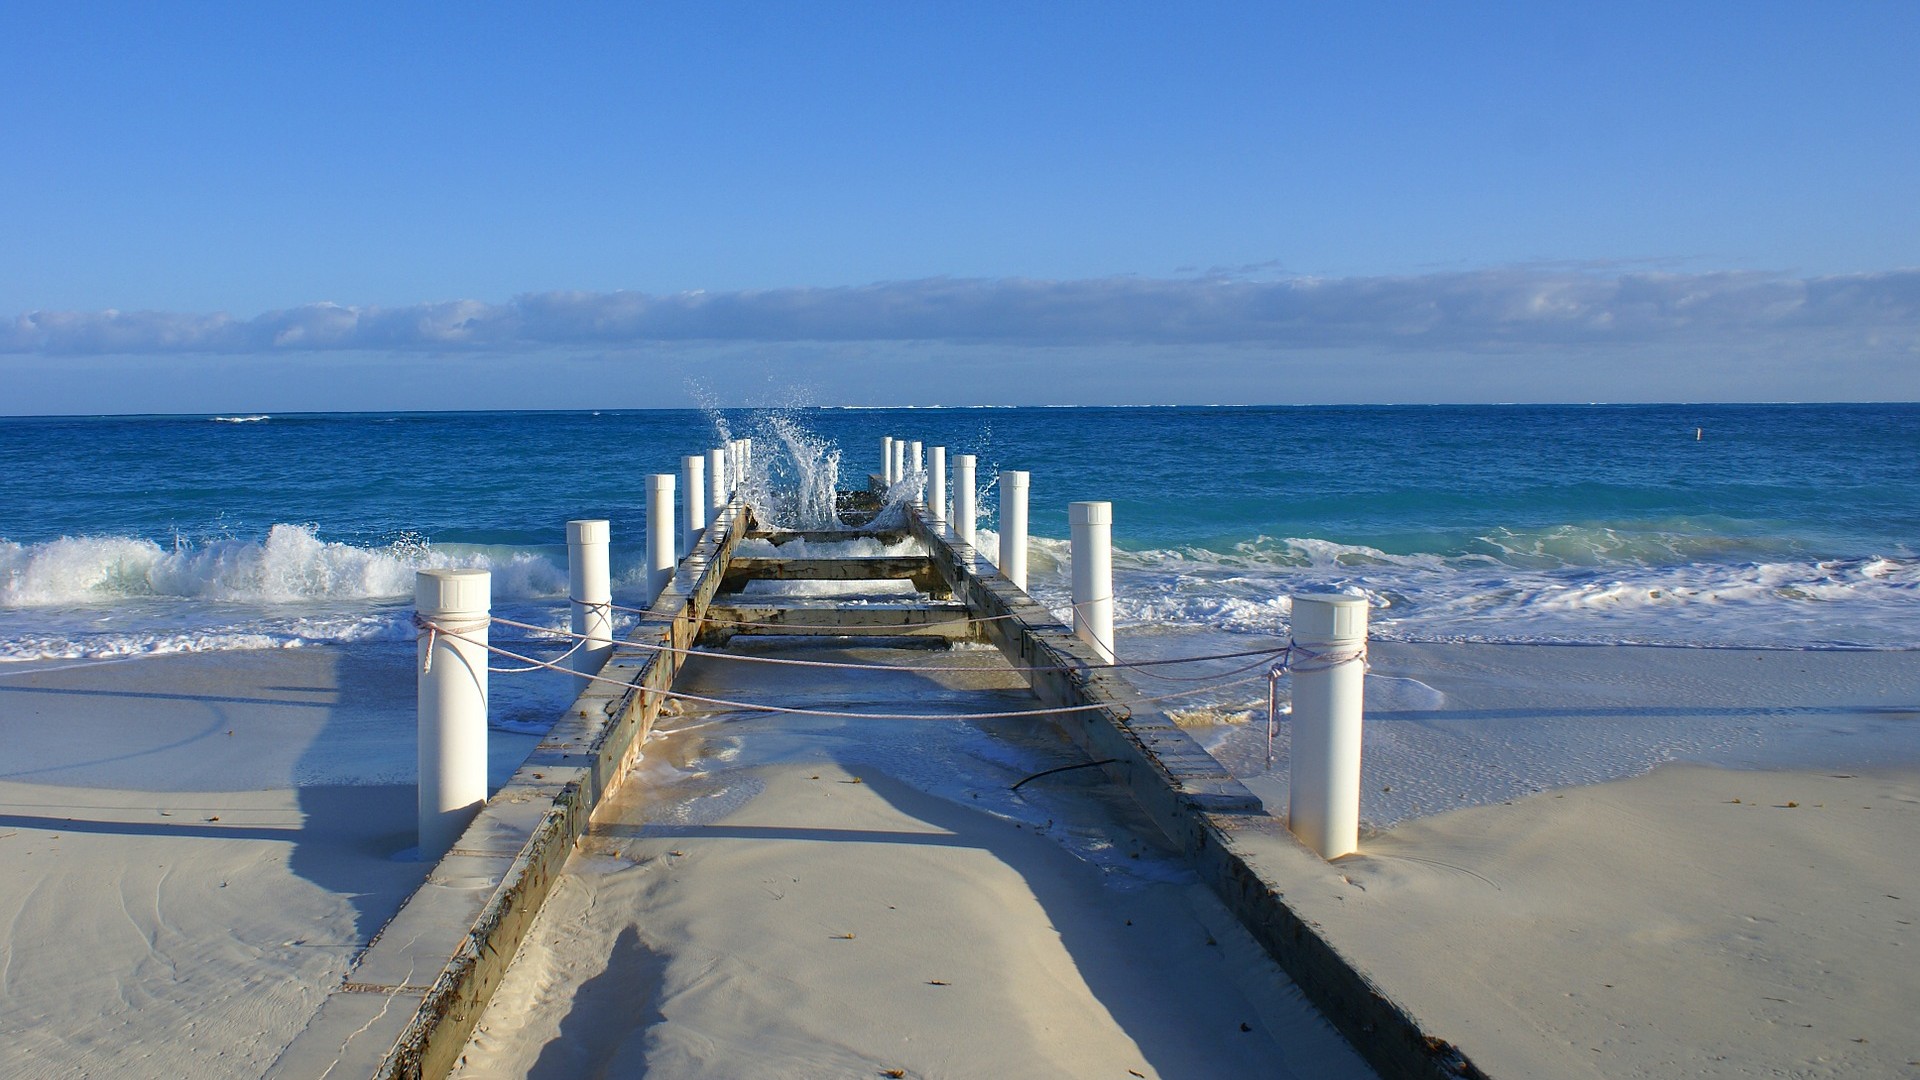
x=1780, y=526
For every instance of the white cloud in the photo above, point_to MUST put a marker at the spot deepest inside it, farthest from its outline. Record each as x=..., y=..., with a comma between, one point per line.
x=1452, y=311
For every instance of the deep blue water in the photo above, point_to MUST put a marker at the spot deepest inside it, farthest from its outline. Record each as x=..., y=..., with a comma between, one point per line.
x=1781, y=524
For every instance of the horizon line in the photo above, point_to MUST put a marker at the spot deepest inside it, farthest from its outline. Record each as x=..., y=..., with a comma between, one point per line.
x=228, y=414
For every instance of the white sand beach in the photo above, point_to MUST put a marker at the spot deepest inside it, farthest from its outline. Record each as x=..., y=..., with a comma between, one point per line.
x=1691, y=922
x=1745, y=909
x=194, y=847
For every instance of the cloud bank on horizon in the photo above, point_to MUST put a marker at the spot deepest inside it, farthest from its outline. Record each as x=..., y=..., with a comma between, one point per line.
x=1462, y=310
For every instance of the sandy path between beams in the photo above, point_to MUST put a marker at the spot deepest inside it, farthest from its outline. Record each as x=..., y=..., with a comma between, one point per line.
x=790, y=896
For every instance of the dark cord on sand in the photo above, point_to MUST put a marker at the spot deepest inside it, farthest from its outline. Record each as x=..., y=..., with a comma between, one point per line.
x=1065, y=768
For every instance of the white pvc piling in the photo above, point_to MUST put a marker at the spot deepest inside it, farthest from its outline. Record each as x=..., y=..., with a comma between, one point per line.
x=733, y=467
x=917, y=462
x=1013, y=527
x=1090, y=546
x=592, y=592
x=452, y=685
x=939, y=504
x=886, y=460
x=717, y=480
x=693, y=479
x=963, y=494
x=660, y=534
x=746, y=459
x=1329, y=681
x=899, y=460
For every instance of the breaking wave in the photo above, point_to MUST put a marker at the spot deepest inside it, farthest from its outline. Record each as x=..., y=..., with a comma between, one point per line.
x=290, y=565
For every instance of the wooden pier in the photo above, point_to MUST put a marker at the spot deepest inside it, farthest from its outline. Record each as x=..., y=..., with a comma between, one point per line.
x=415, y=995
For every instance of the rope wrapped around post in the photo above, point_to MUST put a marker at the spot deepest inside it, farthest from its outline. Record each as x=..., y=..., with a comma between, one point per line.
x=1312, y=661
x=453, y=609
x=459, y=629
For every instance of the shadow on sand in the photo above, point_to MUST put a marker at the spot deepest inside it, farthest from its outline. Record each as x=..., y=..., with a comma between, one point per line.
x=611, y=1015
x=334, y=725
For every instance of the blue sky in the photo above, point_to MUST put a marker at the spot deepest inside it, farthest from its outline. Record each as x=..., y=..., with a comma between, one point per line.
x=227, y=207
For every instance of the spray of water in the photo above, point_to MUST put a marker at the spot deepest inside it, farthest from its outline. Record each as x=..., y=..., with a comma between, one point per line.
x=709, y=404
x=893, y=505
x=793, y=478
x=811, y=466
x=794, y=474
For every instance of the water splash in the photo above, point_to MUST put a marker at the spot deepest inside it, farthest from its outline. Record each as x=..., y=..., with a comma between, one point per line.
x=709, y=405
x=894, y=501
x=797, y=486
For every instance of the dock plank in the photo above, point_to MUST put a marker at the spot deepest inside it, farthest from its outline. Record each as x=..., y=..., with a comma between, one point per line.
x=917, y=569
x=788, y=616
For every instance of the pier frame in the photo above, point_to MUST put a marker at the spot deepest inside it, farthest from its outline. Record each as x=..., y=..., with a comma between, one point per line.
x=525, y=833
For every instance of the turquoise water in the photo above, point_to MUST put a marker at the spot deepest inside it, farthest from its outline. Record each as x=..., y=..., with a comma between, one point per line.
x=1787, y=525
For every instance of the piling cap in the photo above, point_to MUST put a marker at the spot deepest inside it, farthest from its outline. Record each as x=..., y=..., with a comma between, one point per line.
x=1014, y=478
x=588, y=531
x=451, y=592
x=1329, y=618
x=1090, y=513
x=963, y=461
x=694, y=462
x=663, y=482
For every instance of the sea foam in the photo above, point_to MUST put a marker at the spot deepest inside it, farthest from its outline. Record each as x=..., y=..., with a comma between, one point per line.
x=291, y=564
x=1782, y=603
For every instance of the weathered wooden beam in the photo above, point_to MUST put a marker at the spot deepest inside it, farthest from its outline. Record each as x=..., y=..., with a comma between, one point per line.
x=826, y=618
x=777, y=537
x=918, y=569
x=844, y=568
